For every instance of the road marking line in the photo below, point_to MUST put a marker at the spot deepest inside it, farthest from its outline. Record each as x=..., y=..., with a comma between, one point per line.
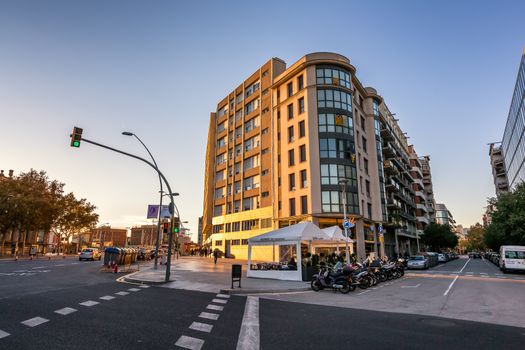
x=215, y=307
x=39, y=267
x=460, y=271
x=201, y=327
x=3, y=334
x=75, y=263
x=144, y=286
x=35, y=321
x=66, y=311
x=209, y=316
x=60, y=265
x=483, y=273
x=122, y=293
x=249, y=336
x=219, y=301
x=366, y=291
x=451, y=284
x=134, y=289
x=89, y=303
x=225, y=296
x=189, y=343
x=416, y=286
x=107, y=297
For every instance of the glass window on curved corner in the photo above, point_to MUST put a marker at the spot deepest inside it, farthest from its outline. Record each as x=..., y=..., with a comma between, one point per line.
x=329, y=98
x=336, y=148
x=332, y=202
x=340, y=123
x=331, y=174
x=333, y=76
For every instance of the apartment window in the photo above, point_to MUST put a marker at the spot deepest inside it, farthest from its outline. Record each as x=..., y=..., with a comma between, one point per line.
x=291, y=182
x=292, y=206
x=291, y=157
x=375, y=106
x=238, y=132
x=301, y=105
x=304, y=182
x=336, y=148
x=250, y=224
x=265, y=92
x=251, y=143
x=304, y=205
x=217, y=210
x=332, y=173
x=300, y=82
x=238, y=115
x=290, y=134
x=219, y=193
x=222, y=111
x=244, y=241
x=265, y=194
x=302, y=132
x=252, y=106
x=218, y=243
x=237, y=167
x=302, y=153
x=219, y=175
x=237, y=187
x=236, y=226
x=290, y=89
x=252, y=88
x=334, y=99
x=238, y=98
x=363, y=142
x=340, y=123
x=252, y=162
x=221, y=142
x=251, y=124
x=264, y=131
x=221, y=158
x=228, y=227
x=369, y=207
x=236, y=242
x=251, y=183
x=265, y=73
x=363, y=123
x=366, y=166
x=236, y=209
x=265, y=223
x=333, y=76
x=332, y=203
x=221, y=127
x=290, y=111
x=367, y=186
x=250, y=203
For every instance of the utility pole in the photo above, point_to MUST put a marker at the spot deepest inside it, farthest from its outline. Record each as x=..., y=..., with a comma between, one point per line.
x=343, y=183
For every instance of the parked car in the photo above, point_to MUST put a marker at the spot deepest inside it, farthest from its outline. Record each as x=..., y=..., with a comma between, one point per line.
x=90, y=254
x=418, y=262
x=494, y=258
x=442, y=258
x=474, y=255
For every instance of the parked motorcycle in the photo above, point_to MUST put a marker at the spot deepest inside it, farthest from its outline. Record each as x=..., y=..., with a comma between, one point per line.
x=336, y=279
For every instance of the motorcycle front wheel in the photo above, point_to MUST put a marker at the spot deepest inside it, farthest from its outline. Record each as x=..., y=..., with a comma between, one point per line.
x=316, y=285
x=345, y=289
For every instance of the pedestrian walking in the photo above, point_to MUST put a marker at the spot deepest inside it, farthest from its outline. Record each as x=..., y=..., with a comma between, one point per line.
x=215, y=256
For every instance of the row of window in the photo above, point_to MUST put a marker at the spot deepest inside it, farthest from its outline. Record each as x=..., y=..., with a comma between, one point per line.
x=291, y=131
x=289, y=87
x=290, y=108
x=303, y=182
x=245, y=225
x=331, y=174
x=336, y=148
x=249, y=163
x=333, y=76
x=340, y=123
x=249, y=203
x=302, y=155
x=218, y=243
x=303, y=205
x=332, y=202
x=334, y=99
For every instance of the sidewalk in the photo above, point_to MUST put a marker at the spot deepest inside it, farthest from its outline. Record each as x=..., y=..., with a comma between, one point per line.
x=201, y=274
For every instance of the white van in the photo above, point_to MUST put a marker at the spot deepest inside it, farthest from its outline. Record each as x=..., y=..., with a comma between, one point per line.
x=512, y=258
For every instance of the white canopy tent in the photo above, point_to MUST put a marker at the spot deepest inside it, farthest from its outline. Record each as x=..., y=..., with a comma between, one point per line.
x=337, y=237
x=304, y=232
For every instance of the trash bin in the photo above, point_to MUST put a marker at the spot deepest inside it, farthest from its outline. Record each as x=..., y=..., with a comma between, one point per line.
x=122, y=256
x=236, y=274
x=111, y=256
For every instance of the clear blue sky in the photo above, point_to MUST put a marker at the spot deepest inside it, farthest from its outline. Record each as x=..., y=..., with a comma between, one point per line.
x=157, y=68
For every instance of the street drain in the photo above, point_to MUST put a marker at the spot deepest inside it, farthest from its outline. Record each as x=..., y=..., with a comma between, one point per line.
x=437, y=322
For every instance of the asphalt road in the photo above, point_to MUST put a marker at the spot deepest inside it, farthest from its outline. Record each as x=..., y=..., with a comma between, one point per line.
x=74, y=306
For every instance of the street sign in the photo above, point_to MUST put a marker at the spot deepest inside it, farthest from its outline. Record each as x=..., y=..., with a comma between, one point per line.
x=165, y=212
x=347, y=224
x=380, y=228
x=153, y=211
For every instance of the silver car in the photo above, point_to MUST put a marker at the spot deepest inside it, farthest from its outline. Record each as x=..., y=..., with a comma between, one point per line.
x=418, y=262
x=90, y=254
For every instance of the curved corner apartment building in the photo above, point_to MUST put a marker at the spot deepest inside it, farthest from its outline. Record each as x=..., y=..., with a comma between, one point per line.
x=281, y=142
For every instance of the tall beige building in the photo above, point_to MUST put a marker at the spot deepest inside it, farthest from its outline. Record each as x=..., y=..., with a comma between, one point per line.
x=282, y=143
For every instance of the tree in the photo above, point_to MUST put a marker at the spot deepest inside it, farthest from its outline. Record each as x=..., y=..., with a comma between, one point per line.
x=508, y=219
x=75, y=217
x=476, y=238
x=439, y=237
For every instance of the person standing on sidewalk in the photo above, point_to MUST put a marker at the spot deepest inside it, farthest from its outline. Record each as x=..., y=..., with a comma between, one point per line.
x=215, y=256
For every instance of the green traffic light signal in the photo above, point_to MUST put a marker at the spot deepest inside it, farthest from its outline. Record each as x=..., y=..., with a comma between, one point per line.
x=175, y=230
x=76, y=136
x=76, y=143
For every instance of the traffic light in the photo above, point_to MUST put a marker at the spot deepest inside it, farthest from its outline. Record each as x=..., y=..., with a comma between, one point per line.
x=176, y=225
x=165, y=227
x=76, y=136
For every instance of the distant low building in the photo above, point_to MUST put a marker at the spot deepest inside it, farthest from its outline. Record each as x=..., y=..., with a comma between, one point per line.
x=106, y=236
x=145, y=235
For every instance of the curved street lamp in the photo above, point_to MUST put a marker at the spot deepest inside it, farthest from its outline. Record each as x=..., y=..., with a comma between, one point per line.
x=157, y=243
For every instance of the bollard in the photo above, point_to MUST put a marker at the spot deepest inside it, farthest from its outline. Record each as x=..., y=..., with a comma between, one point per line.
x=116, y=269
x=16, y=257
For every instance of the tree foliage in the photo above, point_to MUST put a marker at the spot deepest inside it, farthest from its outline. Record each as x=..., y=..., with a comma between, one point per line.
x=508, y=219
x=439, y=237
x=476, y=238
x=32, y=202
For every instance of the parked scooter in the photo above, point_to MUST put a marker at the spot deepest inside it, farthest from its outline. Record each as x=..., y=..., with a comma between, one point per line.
x=336, y=279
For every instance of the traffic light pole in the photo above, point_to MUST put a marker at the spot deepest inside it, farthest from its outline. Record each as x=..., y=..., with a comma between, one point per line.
x=172, y=203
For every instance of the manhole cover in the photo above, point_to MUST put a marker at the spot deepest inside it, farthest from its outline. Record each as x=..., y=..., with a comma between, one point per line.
x=437, y=322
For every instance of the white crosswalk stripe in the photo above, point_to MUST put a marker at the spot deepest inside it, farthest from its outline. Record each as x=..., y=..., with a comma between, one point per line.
x=225, y=296
x=209, y=316
x=201, y=327
x=122, y=293
x=65, y=311
x=134, y=289
x=3, y=334
x=89, y=303
x=107, y=297
x=190, y=343
x=144, y=286
x=35, y=321
x=219, y=301
x=215, y=307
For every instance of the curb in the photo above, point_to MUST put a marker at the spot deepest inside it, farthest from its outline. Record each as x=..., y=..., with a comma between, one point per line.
x=262, y=291
x=129, y=278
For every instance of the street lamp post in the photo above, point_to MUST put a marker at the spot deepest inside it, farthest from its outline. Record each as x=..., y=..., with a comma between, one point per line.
x=343, y=183
x=157, y=243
